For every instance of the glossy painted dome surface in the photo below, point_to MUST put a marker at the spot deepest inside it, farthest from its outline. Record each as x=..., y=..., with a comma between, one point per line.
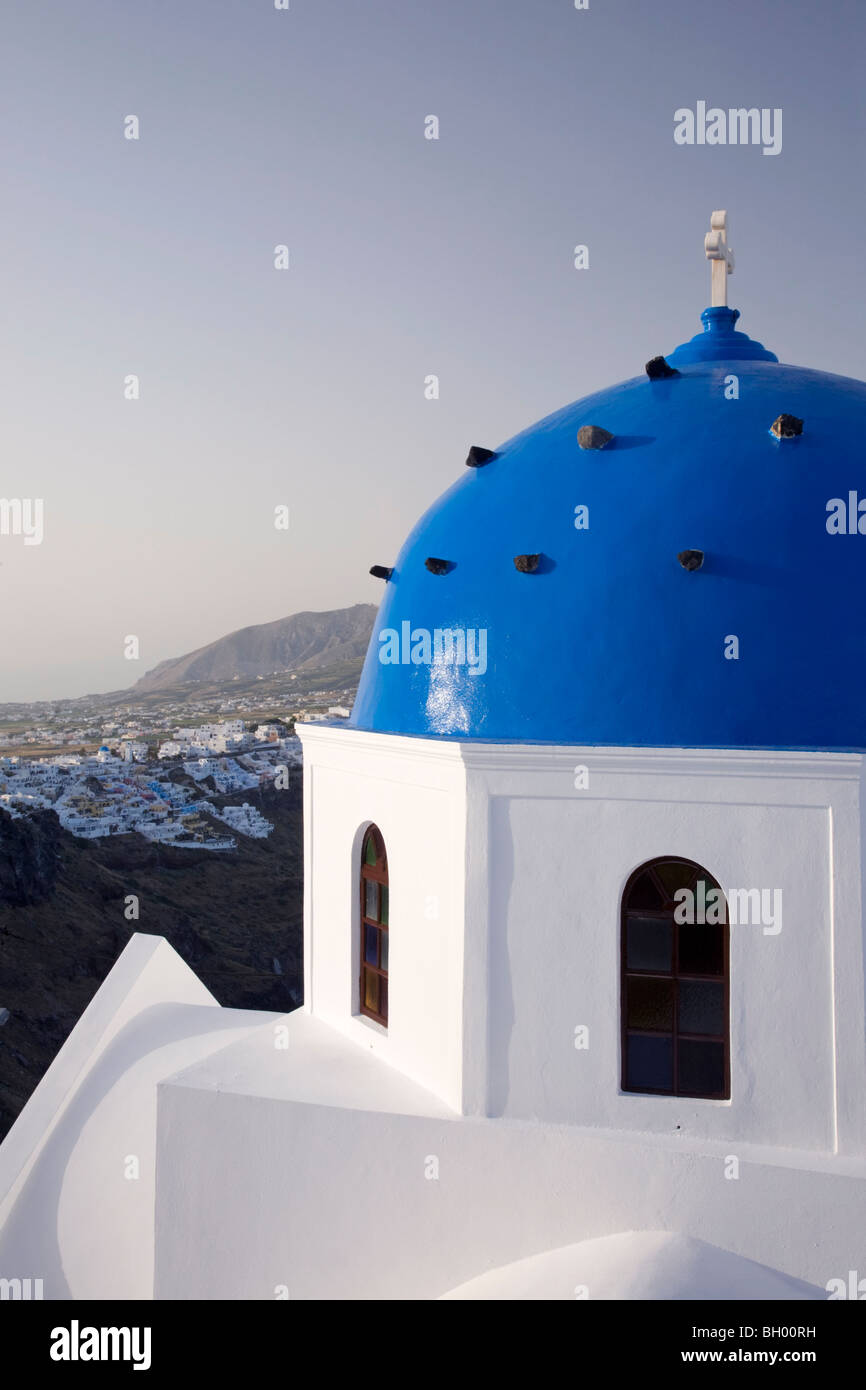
x=610, y=640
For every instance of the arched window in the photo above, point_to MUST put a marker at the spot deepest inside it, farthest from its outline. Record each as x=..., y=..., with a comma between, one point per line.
x=675, y=982
x=374, y=927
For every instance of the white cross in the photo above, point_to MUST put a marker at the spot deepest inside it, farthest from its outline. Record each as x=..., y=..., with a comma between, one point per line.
x=717, y=250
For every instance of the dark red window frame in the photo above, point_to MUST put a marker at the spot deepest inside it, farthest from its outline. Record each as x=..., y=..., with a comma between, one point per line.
x=373, y=984
x=651, y=990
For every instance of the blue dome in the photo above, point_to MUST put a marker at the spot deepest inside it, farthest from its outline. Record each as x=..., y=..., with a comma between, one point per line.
x=608, y=637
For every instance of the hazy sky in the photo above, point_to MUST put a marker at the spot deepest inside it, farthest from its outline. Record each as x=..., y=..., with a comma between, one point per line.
x=408, y=257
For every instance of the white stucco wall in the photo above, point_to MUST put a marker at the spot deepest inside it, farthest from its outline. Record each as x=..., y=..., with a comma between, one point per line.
x=561, y=859
x=318, y=1172
x=415, y=794
x=77, y=1169
x=529, y=873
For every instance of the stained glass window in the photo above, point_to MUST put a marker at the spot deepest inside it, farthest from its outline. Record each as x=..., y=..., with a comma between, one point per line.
x=675, y=982
x=373, y=996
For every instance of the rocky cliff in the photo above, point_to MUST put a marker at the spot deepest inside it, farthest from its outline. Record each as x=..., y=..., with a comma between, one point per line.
x=236, y=918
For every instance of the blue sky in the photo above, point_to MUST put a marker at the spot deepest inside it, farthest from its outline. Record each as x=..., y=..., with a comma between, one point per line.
x=408, y=257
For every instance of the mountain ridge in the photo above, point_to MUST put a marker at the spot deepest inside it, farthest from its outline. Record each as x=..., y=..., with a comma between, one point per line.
x=301, y=642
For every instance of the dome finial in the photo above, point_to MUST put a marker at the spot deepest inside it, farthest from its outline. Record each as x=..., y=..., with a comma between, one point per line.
x=717, y=250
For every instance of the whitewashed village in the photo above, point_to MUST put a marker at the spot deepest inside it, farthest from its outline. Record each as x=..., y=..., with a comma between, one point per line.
x=168, y=790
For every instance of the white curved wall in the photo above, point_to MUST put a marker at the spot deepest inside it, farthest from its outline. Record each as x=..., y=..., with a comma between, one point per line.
x=75, y=1212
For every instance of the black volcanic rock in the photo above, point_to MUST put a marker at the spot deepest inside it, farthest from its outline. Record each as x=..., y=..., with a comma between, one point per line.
x=29, y=857
x=526, y=564
x=63, y=924
x=691, y=559
x=658, y=369
x=478, y=456
x=787, y=427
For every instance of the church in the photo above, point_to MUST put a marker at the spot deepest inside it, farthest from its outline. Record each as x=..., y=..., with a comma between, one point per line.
x=531, y=1062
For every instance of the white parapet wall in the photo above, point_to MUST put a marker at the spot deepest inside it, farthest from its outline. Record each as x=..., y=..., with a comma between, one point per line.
x=313, y=1171
x=77, y=1169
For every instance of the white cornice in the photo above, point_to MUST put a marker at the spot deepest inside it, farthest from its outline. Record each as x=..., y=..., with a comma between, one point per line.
x=543, y=757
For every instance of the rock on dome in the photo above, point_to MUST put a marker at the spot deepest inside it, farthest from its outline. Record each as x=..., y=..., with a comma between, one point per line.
x=599, y=633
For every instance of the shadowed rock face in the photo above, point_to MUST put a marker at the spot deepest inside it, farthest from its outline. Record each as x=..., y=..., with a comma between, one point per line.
x=63, y=925
x=29, y=857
